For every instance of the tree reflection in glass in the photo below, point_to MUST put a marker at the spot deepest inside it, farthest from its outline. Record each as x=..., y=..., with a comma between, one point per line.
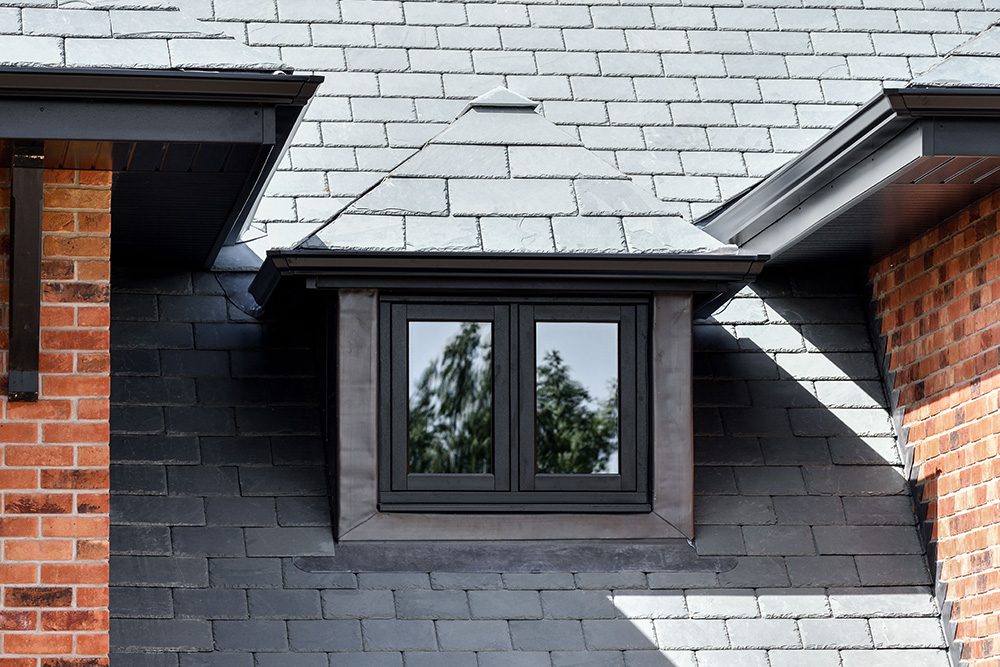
x=576, y=397
x=450, y=397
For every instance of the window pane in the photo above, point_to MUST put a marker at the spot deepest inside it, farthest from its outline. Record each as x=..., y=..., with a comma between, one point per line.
x=576, y=397
x=451, y=397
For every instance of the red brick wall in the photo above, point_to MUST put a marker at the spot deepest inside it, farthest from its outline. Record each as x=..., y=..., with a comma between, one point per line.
x=939, y=302
x=54, y=473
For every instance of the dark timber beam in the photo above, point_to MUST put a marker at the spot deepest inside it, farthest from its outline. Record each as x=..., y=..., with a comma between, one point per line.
x=25, y=269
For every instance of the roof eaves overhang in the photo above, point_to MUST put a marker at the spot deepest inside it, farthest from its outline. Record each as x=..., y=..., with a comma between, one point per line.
x=707, y=276
x=937, y=138
x=128, y=121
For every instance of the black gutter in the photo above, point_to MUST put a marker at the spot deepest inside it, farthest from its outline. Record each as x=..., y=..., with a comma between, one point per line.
x=869, y=128
x=158, y=85
x=706, y=274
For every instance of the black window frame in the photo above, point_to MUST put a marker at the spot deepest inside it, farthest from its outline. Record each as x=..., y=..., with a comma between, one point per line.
x=514, y=486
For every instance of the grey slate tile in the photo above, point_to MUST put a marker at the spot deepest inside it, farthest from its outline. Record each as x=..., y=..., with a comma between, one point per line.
x=129, y=602
x=140, y=540
x=245, y=572
x=263, y=636
x=207, y=541
x=350, y=604
x=389, y=635
x=472, y=635
x=163, y=635
x=284, y=604
x=299, y=541
x=211, y=603
x=546, y=635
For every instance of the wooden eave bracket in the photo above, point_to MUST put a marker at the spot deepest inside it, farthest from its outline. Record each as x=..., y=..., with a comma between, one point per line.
x=25, y=269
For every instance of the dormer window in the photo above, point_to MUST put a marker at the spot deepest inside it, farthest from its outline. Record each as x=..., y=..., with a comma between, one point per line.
x=523, y=404
x=510, y=340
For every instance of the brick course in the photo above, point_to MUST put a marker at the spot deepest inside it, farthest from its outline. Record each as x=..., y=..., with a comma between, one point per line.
x=54, y=475
x=939, y=303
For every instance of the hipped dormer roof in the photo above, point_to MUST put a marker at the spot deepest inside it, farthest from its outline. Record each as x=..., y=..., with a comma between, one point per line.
x=502, y=178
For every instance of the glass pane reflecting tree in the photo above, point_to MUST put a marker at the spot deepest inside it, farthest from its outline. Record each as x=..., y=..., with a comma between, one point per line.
x=450, y=397
x=576, y=397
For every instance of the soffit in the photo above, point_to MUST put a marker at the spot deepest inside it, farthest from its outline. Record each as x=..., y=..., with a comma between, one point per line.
x=902, y=164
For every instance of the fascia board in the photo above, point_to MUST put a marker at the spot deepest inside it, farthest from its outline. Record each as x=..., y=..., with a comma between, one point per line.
x=838, y=195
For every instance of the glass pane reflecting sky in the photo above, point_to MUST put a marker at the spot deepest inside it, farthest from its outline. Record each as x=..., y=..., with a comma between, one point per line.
x=450, y=397
x=576, y=376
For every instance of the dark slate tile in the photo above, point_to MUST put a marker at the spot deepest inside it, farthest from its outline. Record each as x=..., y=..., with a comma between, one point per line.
x=133, y=307
x=283, y=481
x=216, y=660
x=782, y=394
x=733, y=510
x=154, y=449
x=317, y=660
x=157, y=391
x=822, y=571
x=827, y=284
x=159, y=571
x=770, y=481
x=208, y=541
x=707, y=422
x=229, y=391
x=756, y=571
x=237, y=314
x=756, y=421
x=285, y=604
x=200, y=421
x=150, y=279
x=325, y=635
x=206, y=282
x=245, y=572
x=137, y=419
x=140, y=540
x=157, y=510
x=250, y=636
x=713, y=337
x=297, y=578
x=161, y=635
x=242, y=511
x=293, y=391
x=721, y=393
x=195, y=363
x=143, y=659
x=151, y=335
x=837, y=337
x=128, y=602
x=146, y=480
x=879, y=511
x=279, y=420
x=297, y=450
x=192, y=308
x=289, y=541
x=275, y=363
x=855, y=480
x=308, y=511
x=135, y=362
x=228, y=336
x=795, y=451
x=236, y=450
x=714, y=480
x=203, y=480
x=210, y=603
x=744, y=365
x=808, y=510
x=817, y=311
x=901, y=570
x=727, y=451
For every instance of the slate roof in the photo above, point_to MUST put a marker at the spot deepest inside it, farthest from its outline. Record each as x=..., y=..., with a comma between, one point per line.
x=502, y=178
x=123, y=34
x=973, y=64
x=695, y=100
